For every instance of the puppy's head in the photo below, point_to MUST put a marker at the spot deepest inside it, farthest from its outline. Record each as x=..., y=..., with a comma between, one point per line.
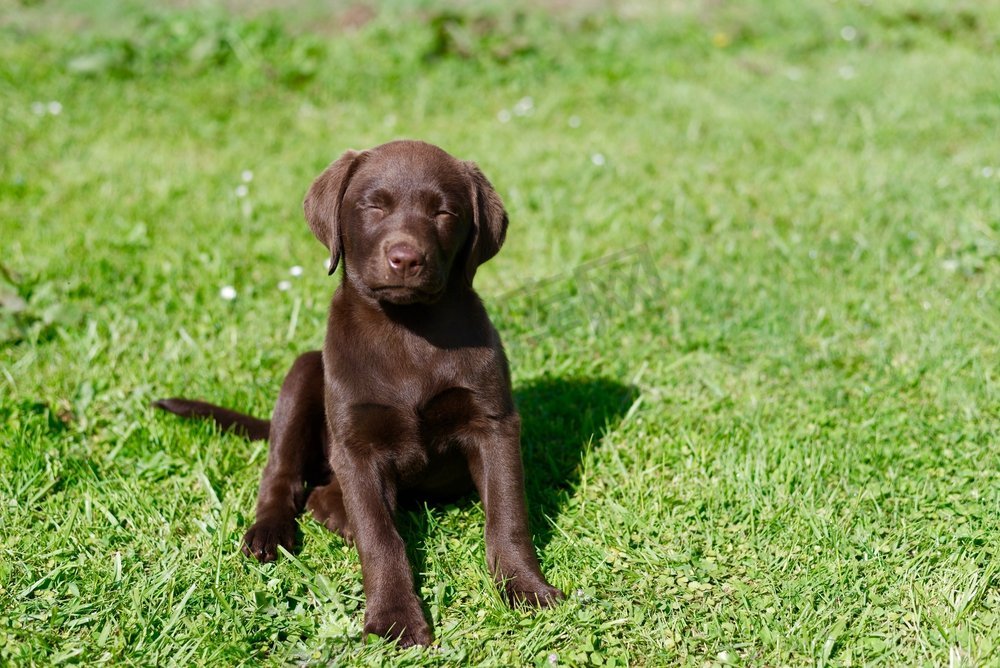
x=407, y=218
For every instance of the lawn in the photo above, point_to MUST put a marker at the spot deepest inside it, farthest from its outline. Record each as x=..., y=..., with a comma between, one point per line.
x=750, y=295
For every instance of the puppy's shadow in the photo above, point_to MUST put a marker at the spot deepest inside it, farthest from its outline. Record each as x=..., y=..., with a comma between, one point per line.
x=561, y=419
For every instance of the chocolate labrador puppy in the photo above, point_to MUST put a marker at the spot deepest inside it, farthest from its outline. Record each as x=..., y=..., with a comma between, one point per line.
x=411, y=394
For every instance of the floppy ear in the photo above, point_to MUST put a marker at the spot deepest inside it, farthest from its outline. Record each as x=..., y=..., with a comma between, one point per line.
x=489, y=222
x=322, y=204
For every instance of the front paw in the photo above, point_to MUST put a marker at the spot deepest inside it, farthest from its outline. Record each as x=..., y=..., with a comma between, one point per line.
x=403, y=622
x=531, y=593
x=261, y=541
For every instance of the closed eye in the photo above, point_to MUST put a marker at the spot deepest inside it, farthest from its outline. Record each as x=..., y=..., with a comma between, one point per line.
x=444, y=213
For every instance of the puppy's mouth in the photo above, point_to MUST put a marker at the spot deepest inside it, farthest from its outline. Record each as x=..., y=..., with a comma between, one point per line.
x=401, y=294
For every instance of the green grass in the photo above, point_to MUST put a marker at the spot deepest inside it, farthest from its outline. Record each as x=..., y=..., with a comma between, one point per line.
x=767, y=433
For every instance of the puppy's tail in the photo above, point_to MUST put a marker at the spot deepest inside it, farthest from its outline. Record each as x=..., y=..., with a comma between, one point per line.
x=247, y=426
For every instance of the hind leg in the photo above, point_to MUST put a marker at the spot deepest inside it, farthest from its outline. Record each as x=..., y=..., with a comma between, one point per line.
x=296, y=446
x=327, y=505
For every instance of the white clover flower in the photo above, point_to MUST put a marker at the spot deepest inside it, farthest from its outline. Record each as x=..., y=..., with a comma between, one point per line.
x=503, y=116
x=38, y=108
x=848, y=33
x=986, y=172
x=574, y=121
x=295, y=271
x=598, y=159
x=242, y=190
x=228, y=293
x=246, y=176
x=284, y=285
x=55, y=108
x=845, y=72
x=524, y=106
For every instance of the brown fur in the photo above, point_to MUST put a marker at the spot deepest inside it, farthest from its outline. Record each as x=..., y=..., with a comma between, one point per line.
x=411, y=393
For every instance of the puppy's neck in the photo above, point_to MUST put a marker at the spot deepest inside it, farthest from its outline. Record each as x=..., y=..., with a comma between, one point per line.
x=457, y=319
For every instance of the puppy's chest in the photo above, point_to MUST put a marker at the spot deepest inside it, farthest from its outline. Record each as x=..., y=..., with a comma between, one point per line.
x=432, y=424
x=415, y=440
x=412, y=404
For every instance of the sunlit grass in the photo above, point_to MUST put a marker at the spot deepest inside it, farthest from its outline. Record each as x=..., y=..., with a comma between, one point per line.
x=750, y=296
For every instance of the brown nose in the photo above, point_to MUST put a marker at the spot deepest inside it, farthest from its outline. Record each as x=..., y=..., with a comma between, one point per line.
x=404, y=261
